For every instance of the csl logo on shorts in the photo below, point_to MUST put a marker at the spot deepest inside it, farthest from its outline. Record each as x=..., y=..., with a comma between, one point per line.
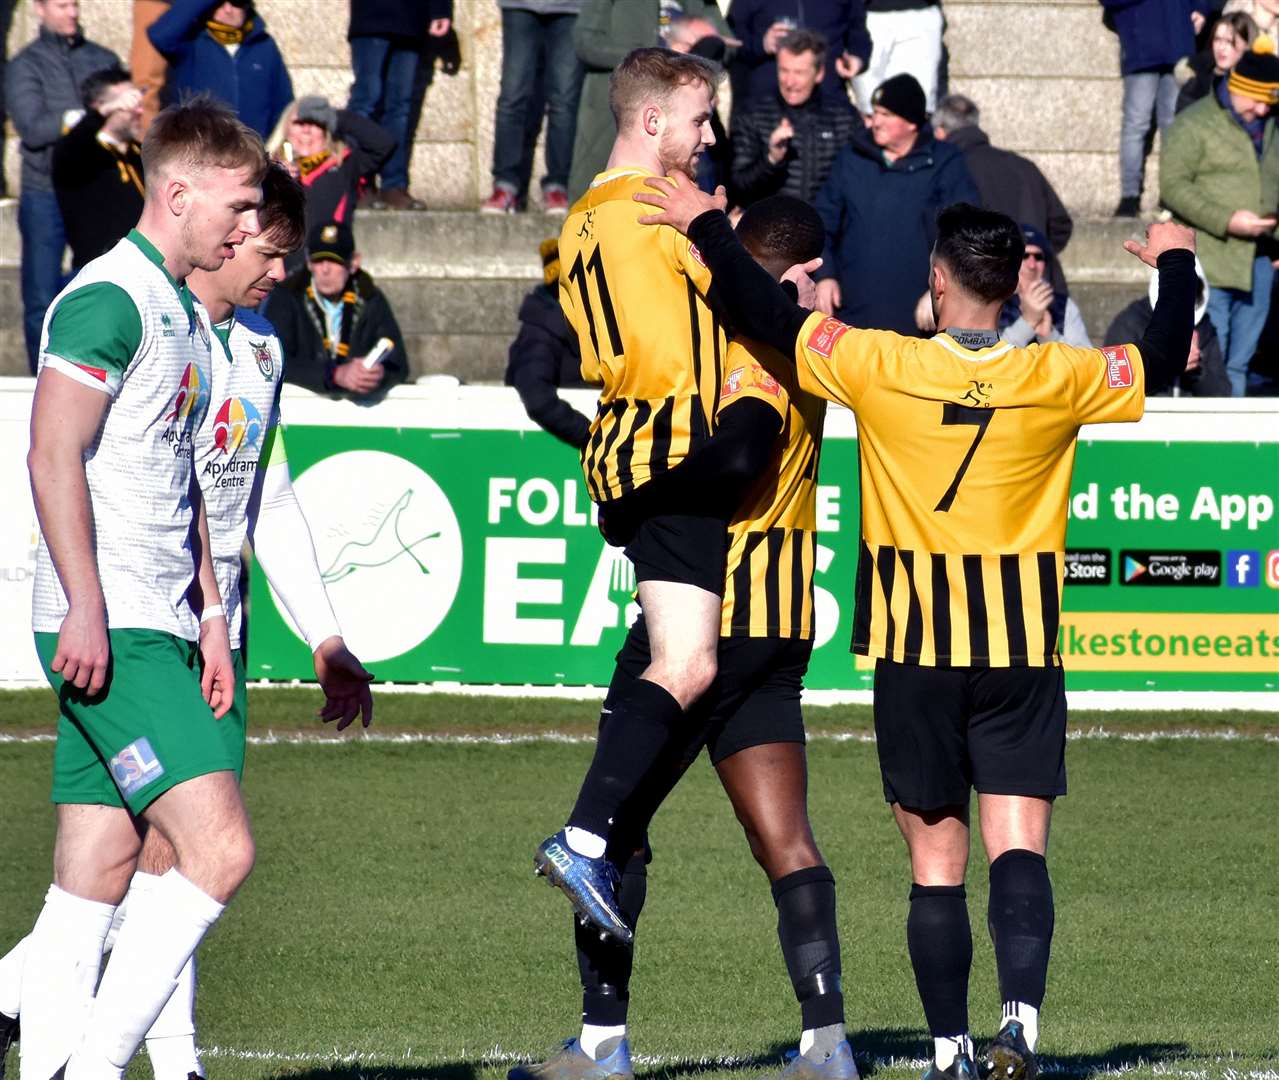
x=1118, y=367
x=1196, y=568
x=134, y=767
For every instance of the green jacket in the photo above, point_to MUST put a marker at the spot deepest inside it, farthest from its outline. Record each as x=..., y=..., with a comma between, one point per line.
x=1207, y=171
x=605, y=32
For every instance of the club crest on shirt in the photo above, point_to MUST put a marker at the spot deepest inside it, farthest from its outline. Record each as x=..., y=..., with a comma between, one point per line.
x=1118, y=367
x=266, y=364
x=204, y=331
x=825, y=334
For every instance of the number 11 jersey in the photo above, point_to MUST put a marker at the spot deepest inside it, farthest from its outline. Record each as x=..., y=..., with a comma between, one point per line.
x=966, y=448
x=636, y=297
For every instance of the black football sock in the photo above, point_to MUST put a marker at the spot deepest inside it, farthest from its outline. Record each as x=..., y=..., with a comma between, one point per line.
x=810, y=943
x=631, y=741
x=1020, y=918
x=605, y=966
x=941, y=952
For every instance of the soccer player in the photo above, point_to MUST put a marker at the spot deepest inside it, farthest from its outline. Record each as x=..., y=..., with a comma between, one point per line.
x=123, y=386
x=637, y=299
x=750, y=718
x=966, y=446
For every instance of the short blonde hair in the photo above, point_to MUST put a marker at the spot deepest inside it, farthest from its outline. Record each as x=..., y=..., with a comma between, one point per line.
x=200, y=133
x=653, y=75
x=280, y=135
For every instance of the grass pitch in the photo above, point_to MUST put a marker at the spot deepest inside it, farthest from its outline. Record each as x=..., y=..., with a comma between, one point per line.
x=393, y=928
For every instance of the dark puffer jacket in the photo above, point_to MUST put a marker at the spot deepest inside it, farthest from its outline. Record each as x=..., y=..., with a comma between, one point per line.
x=544, y=357
x=881, y=221
x=821, y=131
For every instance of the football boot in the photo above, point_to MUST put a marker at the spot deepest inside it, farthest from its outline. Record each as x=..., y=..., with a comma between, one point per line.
x=1008, y=1057
x=839, y=1066
x=10, y=1027
x=962, y=1068
x=589, y=884
x=573, y=1063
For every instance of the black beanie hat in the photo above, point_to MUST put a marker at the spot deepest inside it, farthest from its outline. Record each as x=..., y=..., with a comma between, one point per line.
x=903, y=96
x=1256, y=75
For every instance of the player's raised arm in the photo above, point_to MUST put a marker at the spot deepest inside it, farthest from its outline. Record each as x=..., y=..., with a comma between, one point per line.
x=756, y=304
x=1165, y=345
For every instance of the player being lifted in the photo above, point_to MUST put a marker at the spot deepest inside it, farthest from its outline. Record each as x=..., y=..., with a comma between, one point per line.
x=966, y=446
x=749, y=719
x=637, y=299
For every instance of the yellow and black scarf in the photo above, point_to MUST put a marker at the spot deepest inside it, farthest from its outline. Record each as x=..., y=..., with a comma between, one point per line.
x=307, y=165
x=229, y=35
x=343, y=350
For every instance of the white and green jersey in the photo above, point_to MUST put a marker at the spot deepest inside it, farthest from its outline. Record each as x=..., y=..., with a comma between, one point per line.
x=238, y=436
x=124, y=327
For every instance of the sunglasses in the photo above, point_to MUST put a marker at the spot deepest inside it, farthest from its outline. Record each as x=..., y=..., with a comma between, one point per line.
x=1034, y=256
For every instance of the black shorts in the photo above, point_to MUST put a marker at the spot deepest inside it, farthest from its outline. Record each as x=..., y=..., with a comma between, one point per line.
x=944, y=731
x=685, y=548
x=753, y=701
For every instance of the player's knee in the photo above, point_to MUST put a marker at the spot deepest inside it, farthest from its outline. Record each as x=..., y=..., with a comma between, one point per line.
x=697, y=674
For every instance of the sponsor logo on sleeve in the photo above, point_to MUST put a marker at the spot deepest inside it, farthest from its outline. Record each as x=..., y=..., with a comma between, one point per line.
x=1118, y=367
x=825, y=334
x=134, y=767
x=732, y=382
x=1184, y=568
x=765, y=382
x=697, y=255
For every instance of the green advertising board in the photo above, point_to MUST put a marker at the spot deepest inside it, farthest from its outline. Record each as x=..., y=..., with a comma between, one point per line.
x=462, y=553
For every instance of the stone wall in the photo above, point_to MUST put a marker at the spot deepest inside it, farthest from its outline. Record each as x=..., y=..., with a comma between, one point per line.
x=1044, y=73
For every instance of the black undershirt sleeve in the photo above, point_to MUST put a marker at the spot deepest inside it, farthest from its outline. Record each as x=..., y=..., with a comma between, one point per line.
x=756, y=305
x=711, y=481
x=1165, y=346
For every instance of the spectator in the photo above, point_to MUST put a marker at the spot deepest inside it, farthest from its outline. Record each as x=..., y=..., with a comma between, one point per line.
x=1205, y=374
x=786, y=142
x=145, y=62
x=1265, y=17
x=1220, y=173
x=537, y=45
x=1037, y=312
x=1231, y=37
x=6, y=17
x=42, y=94
x=222, y=46
x=97, y=166
x=763, y=24
x=906, y=37
x=606, y=31
x=879, y=205
x=387, y=38
x=1153, y=36
x=330, y=150
x=1008, y=182
x=330, y=316
x=545, y=356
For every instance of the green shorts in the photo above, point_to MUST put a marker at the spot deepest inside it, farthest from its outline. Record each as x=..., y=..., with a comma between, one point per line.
x=149, y=729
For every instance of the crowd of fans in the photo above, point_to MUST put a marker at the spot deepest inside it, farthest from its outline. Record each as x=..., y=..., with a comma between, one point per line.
x=836, y=102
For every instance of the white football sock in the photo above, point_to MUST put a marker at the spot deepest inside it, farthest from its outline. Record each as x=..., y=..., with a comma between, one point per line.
x=63, y=957
x=948, y=1047
x=139, y=883
x=1027, y=1015
x=585, y=842
x=11, y=979
x=164, y=928
x=171, y=1040
x=593, y=1035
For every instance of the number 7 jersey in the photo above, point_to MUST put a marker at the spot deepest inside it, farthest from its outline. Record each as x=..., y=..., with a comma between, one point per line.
x=966, y=448
x=635, y=296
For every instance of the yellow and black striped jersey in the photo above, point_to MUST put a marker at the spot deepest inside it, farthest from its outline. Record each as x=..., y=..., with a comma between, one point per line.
x=635, y=295
x=768, y=585
x=965, y=458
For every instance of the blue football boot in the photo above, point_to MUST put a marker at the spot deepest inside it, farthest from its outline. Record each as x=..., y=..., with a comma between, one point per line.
x=838, y=1066
x=962, y=1068
x=1009, y=1057
x=589, y=884
x=572, y=1063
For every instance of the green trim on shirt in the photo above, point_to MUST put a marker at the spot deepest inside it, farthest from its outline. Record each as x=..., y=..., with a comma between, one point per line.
x=153, y=254
x=98, y=325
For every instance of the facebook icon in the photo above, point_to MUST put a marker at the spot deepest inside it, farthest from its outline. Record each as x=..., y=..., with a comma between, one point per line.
x=1243, y=569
